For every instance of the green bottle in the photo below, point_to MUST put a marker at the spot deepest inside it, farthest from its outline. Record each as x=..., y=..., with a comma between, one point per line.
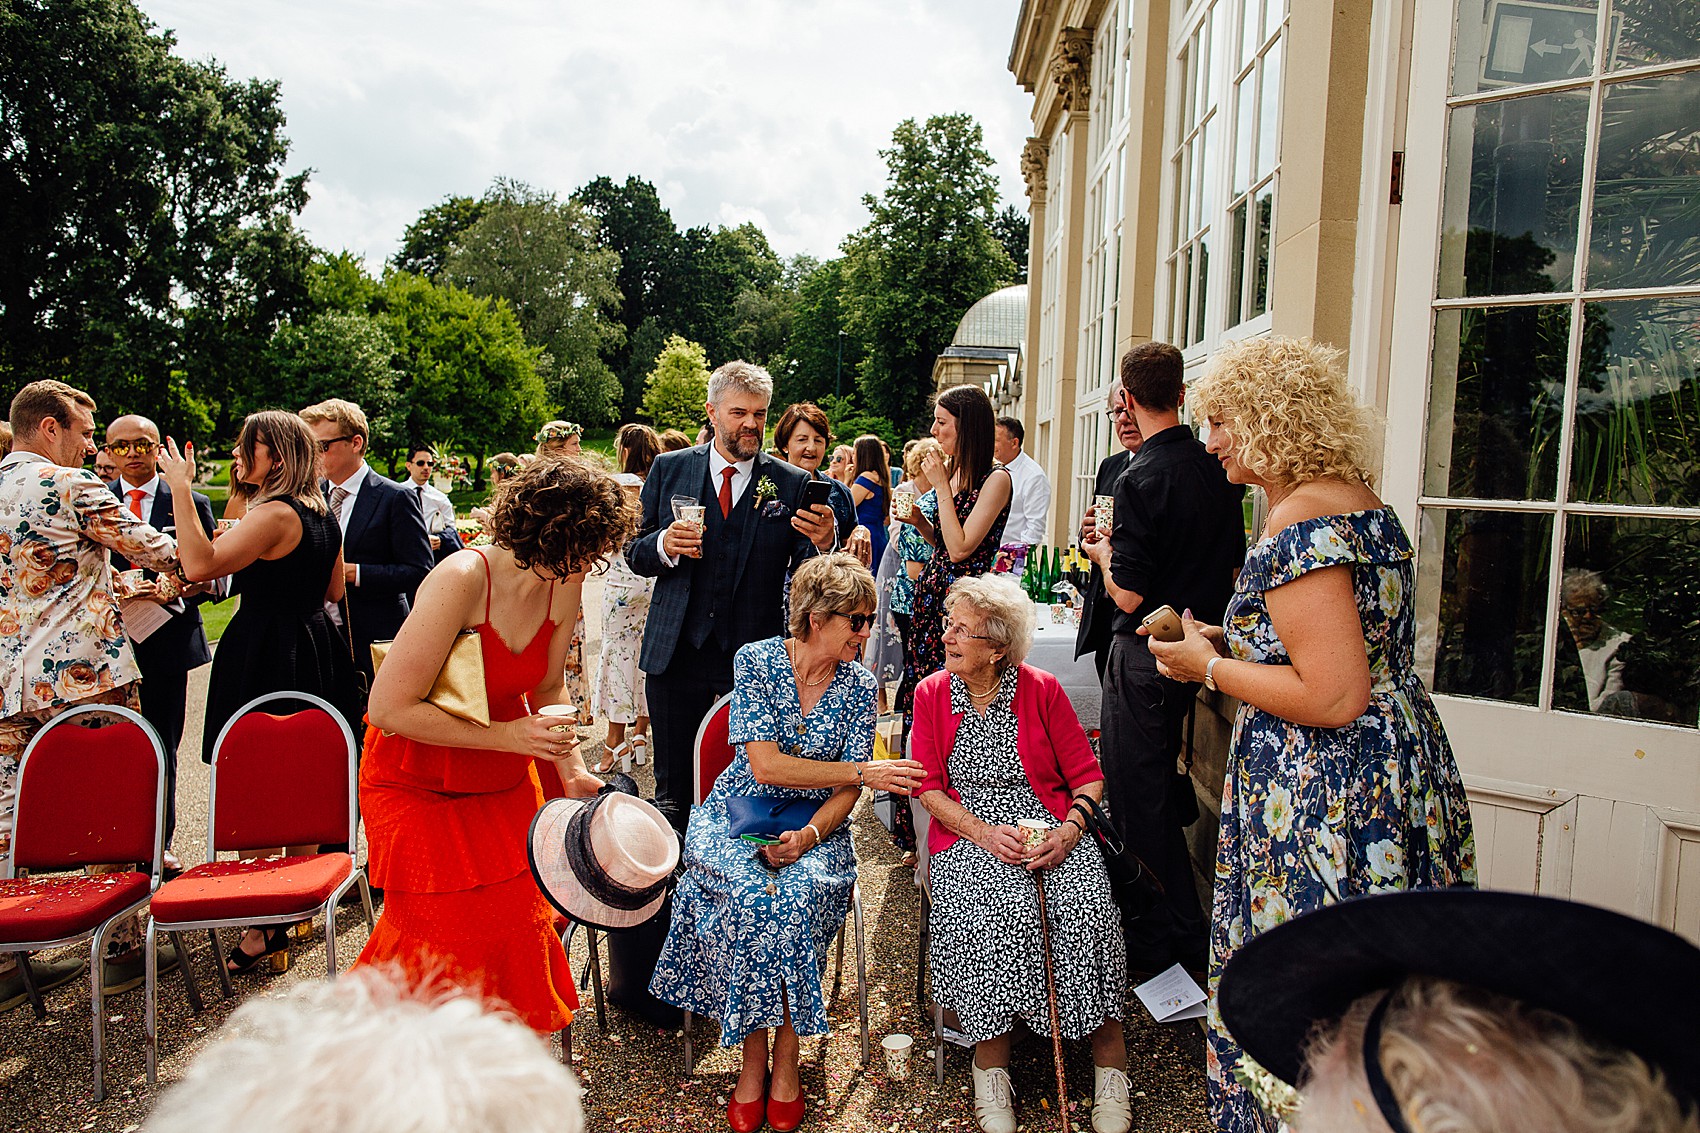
x=1027, y=576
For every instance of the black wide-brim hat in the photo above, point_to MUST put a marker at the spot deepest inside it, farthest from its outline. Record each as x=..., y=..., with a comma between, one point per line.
x=1621, y=980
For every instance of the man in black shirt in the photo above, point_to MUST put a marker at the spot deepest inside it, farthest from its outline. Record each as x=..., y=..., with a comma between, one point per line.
x=1097, y=609
x=1178, y=536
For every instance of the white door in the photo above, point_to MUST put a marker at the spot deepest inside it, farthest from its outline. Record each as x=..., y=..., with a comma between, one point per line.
x=1544, y=434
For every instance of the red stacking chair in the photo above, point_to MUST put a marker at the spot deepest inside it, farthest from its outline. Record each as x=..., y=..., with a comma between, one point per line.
x=86, y=796
x=276, y=781
x=713, y=754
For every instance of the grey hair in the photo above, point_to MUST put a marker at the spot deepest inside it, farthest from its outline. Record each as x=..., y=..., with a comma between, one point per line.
x=1464, y=1060
x=745, y=377
x=834, y=583
x=367, y=1055
x=1008, y=613
x=1584, y=583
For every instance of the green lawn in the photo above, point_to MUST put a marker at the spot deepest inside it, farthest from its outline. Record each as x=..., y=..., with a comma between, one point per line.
x=216, y=615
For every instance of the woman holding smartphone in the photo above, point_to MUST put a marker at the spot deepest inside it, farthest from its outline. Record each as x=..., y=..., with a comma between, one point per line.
x=1340, y=779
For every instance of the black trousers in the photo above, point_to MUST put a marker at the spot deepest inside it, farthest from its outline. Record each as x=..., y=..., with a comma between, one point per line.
x=163, y=697
x=679, y=697
x=1143, y=718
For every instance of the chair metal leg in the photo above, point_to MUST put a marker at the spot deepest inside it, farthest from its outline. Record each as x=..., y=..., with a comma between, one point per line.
x=330, y=940
x=189, y=987
x=30, y=989
x=150, y=993
x=690, y=1055
x=566, y=1034
x=861, y=973
x=218, y=962
x=594, y=969
x=97, y=998
x=923, y=953
x=838, y=968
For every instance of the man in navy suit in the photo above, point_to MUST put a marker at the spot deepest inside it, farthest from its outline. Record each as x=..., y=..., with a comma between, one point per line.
x=386, y=552
x=722, y=587
x=167, y=654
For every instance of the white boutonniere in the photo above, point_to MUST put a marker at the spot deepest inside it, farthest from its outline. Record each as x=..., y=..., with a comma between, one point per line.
x=766, y=490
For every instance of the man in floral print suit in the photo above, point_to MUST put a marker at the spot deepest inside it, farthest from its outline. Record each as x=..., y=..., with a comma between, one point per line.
x=62, y=641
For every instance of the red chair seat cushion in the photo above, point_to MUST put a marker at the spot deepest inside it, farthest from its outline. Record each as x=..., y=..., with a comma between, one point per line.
x=54, y=908
x=262, y=887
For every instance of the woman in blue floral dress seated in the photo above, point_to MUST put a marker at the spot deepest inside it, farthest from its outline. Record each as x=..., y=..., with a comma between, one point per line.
x=752, y=925
x=1340, y=779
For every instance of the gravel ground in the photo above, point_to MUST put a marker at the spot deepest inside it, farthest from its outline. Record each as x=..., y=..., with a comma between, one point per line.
x=632, y=1071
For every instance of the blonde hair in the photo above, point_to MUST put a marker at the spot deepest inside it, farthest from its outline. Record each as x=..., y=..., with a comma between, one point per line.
x=834, y=583
x=1286, y=403
x=1463, y=1060
x=1008, y=613
x=917, y=451
x=345, y=415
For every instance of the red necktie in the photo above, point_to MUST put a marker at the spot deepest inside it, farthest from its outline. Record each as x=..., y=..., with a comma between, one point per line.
x=726, y=475
x=136, y=495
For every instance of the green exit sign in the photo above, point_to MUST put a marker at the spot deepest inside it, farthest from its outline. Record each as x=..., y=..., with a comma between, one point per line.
x=1540, y=43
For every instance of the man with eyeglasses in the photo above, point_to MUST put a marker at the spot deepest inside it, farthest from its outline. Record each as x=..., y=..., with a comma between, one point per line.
x=439, y=512
x=386, y=551
x=1095, y=615
x=168, y=652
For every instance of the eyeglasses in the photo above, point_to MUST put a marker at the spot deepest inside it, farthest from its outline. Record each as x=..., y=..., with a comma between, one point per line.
x=857, y=621
x=1117, y=413
x=325, y=446
x=422, y=463
x=125, y=448
x=957, y=629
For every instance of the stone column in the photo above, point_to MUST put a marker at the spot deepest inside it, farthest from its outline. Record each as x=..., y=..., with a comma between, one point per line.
x=1071, y=71
x=1035, y=158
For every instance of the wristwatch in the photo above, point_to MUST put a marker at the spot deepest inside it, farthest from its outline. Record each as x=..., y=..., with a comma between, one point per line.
x=1210, y=673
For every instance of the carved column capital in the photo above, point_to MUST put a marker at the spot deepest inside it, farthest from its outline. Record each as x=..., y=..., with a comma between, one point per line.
x=1071, y=69
x=1035, y=158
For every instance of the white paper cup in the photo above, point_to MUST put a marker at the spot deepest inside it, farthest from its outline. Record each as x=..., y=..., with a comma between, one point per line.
x=902, y=503
x=695, y=515
x=1104, y=513
x=897, y=1049
x=1033, y=831
x=564, y=711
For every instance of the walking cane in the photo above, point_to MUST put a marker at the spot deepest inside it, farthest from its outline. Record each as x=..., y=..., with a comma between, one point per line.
x=1051, y=994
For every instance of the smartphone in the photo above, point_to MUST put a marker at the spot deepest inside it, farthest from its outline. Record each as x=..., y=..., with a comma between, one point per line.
x=816, y=493
x=759, y=839
x=1163, y=624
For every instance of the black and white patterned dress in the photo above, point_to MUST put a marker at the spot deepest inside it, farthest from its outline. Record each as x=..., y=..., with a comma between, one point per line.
x=987, y=963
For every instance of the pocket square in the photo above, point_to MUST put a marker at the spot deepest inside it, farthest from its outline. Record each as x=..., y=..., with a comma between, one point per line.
x=775, y=509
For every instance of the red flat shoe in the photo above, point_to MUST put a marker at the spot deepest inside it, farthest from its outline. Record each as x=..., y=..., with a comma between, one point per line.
x=785, y=1116
x=745, y=1117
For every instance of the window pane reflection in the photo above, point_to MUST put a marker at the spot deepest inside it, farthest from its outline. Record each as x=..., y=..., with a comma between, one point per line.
x=1513, y=195
x=1513, y=44
x=1637, y=435
x=1646, y=197
x=1628, y=641
x=1492, y=595
x=1496, y=402
x=1653, y=31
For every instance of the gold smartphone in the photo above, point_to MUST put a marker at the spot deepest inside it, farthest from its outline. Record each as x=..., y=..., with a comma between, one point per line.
x=1163, y=624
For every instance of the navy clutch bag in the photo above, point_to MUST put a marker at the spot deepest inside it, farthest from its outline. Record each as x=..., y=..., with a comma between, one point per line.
x=768, y=817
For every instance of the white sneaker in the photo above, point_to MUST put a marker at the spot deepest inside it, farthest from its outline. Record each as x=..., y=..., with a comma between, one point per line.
x=994, y=1102
x=1112, y=1103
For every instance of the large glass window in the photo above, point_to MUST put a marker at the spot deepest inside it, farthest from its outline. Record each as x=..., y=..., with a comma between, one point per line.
x=1223, y=163
x=1561, y=483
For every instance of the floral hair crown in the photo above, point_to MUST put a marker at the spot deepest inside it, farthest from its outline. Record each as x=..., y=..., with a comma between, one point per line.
x=558, y=431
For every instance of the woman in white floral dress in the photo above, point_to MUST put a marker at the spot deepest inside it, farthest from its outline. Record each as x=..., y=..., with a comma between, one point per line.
x=620, y=697
x=1340, y=779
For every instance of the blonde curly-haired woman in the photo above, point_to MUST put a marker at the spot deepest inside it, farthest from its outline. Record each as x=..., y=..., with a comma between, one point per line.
x=1340, y=779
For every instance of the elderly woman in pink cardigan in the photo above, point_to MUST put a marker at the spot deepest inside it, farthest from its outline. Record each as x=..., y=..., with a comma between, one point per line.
x=1001, y=743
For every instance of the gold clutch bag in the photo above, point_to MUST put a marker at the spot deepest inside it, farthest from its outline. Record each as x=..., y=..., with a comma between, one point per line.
x=459, y=688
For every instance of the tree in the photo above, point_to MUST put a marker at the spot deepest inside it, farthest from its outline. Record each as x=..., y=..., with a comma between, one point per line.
x=426, y=244
x=541, y=255
x=336, y=354
x=1013, y=228
x=677, y=388
x=925, y=256
x=633, y=225
x=818, y=363
x=147, y=244
x=720, y=265
x=468, y=376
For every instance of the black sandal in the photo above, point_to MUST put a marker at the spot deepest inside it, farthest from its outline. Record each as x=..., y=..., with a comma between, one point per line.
x=240, y=963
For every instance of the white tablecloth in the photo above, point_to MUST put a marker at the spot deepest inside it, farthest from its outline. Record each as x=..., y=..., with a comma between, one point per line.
x=1053, y=651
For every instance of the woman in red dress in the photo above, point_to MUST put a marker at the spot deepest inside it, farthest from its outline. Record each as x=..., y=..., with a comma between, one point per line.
x=447, y=802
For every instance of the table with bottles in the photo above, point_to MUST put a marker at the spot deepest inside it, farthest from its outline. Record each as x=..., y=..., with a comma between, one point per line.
x=1056, y=578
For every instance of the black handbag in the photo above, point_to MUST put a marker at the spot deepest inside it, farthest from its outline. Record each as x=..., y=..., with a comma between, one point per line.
x=1183, y=799
x=1135, y=888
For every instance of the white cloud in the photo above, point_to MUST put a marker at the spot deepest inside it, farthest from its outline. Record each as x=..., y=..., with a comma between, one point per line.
x=766, y=110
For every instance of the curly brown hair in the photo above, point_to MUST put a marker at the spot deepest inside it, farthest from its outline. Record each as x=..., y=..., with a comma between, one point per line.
x=560, y=515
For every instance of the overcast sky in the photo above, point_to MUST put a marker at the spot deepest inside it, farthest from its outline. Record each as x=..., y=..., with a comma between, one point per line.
x=766, y=110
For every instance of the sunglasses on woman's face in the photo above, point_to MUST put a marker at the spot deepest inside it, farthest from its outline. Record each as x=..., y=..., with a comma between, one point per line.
x=857, y=621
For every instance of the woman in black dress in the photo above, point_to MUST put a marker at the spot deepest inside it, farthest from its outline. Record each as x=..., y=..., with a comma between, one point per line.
x=286, y=558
